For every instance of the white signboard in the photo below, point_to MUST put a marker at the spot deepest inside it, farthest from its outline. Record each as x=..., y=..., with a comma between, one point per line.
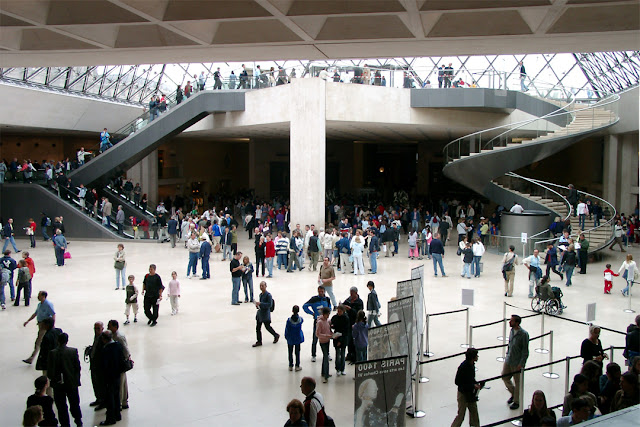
x=467, y=297
x=591, y=312
x=523, y=237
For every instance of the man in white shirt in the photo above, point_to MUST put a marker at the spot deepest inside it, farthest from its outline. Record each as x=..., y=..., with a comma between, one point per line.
x=533, y=263
x=516, y=208
x=582, y=211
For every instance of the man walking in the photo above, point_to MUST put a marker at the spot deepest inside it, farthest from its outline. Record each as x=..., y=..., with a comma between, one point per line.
x=120, y=220
x=509, y=261
x=437, y=253
x=374, y=249
x=63, y=369
x=152, y=290
x=314, y=307
x=264, y=315
x=583, y=253
x=172, y=229
x=517, y=354
x=467, y=388
x=205, y=254
x=7, y=267
x=44, y=310
x=9, y=236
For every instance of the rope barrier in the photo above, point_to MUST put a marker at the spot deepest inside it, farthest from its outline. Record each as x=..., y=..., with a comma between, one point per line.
x=479, y=349
x=488, y=324
x=447, y=312
x=568, y=319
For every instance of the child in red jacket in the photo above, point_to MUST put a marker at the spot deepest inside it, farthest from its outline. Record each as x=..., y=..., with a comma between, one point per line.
x=608, y=279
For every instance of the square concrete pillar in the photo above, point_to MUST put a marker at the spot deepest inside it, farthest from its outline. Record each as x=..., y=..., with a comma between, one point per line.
x=308, y=151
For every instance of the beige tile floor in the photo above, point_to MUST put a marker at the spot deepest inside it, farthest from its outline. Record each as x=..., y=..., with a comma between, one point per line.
x=199, y=369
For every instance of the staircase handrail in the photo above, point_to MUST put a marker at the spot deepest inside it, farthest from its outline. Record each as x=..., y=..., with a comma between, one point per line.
x=592, y=196
x=613, y=98
x=547, y=188
x=605, y=101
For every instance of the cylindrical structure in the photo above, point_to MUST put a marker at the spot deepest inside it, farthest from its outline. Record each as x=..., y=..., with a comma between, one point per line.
x=566, y=376
x=470, y=336
x=512, y=225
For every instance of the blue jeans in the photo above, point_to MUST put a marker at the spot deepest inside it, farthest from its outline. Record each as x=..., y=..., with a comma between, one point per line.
x=45, y=236
x=270, y=266
x=325, y=359
x=373, y=258
x=340, y=357
x=2, y=297
x=414, y=224
x=247, y=282
x=475, y=267
x=361, y=354
x=226, y=250
x=437, y=260
x=59, y=256
x=282, y=260
x=291, y=348
x=569, y=272
x=8, y=240
x=121, y=275
x=329, y=291
x=395, y=247
x=235, y=290
x=466, y=270
x=625, y=291
x=581, y=219
x=193, y=263
x=206, y=273
x=314, y=341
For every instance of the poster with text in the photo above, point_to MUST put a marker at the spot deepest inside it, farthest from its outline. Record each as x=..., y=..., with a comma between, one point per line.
x=380, y=340
x=380, y=396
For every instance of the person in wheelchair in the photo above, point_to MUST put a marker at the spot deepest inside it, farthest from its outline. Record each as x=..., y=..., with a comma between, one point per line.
x=545, y=292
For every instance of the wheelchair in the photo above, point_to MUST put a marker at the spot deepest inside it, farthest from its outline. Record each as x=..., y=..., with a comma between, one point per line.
x=548, y=299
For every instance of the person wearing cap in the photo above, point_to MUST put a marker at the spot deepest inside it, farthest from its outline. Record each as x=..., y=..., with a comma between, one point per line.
x=484, y=230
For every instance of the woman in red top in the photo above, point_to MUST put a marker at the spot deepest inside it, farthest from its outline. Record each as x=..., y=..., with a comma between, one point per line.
x=270, y=254
x=31, y=231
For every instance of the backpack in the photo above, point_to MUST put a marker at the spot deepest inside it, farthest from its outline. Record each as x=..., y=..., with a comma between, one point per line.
x=48, y=222
x=328, y=421
x=508, y=266
x=273, y=305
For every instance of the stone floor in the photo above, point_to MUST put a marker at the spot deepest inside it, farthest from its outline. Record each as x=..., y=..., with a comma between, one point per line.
x=198, y=368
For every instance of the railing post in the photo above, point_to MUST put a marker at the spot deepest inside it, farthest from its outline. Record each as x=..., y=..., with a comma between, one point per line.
x=504, y=316
x=542, y=350
x=629, y=309
x=611, y=354
x=567, y=373
x=551, y=375
x=417, y=413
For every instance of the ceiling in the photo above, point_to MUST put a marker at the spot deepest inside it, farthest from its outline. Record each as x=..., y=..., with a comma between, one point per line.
x=98, y=32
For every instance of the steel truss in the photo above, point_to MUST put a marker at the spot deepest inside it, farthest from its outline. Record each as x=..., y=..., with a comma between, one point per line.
x=610, y=71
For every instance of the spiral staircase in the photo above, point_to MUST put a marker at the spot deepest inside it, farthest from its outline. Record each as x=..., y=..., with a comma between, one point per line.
x=484, y=162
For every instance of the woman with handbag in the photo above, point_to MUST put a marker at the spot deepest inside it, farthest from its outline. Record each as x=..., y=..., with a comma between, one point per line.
x=630, y=273
x=120, y=265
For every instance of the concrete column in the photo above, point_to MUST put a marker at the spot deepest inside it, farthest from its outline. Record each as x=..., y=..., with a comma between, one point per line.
x=358, y=165
x=610, y=170
x=308, y=151
x=628, y=183
x=146, y=173
x=424, y=158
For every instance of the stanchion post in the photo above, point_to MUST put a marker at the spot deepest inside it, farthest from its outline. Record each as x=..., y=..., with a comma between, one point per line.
x=417, y=413
x=551, y=375
x=470, y=336
x=630, y=310
x=567, y=373
x=428, y=352
x=503, y=338
x=420, y=378
x=467, y=344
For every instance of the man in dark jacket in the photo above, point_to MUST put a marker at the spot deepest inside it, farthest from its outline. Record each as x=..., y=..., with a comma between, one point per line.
x=437, y=253
x=551, y=259
x=95, y=365
x=172, y=229
x=314, y=307
x=205, y=253
x=340, y=323
x=353, y=305
x=264, y=315
x=112, y=367
x=63, y=369
x=467, y=388
x=49, y=342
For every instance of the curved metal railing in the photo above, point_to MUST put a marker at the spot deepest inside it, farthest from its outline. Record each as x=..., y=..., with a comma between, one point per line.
x=467, y=144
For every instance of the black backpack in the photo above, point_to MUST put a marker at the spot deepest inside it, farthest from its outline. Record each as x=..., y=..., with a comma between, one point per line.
x=273, y=305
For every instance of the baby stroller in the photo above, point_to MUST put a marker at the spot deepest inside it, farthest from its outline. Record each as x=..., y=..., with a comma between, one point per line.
x=548, y=299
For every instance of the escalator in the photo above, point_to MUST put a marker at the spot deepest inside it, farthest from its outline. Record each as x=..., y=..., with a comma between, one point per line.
x=145, y=139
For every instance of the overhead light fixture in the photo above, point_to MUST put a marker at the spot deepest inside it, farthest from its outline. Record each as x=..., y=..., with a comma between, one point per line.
x=381, y=169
